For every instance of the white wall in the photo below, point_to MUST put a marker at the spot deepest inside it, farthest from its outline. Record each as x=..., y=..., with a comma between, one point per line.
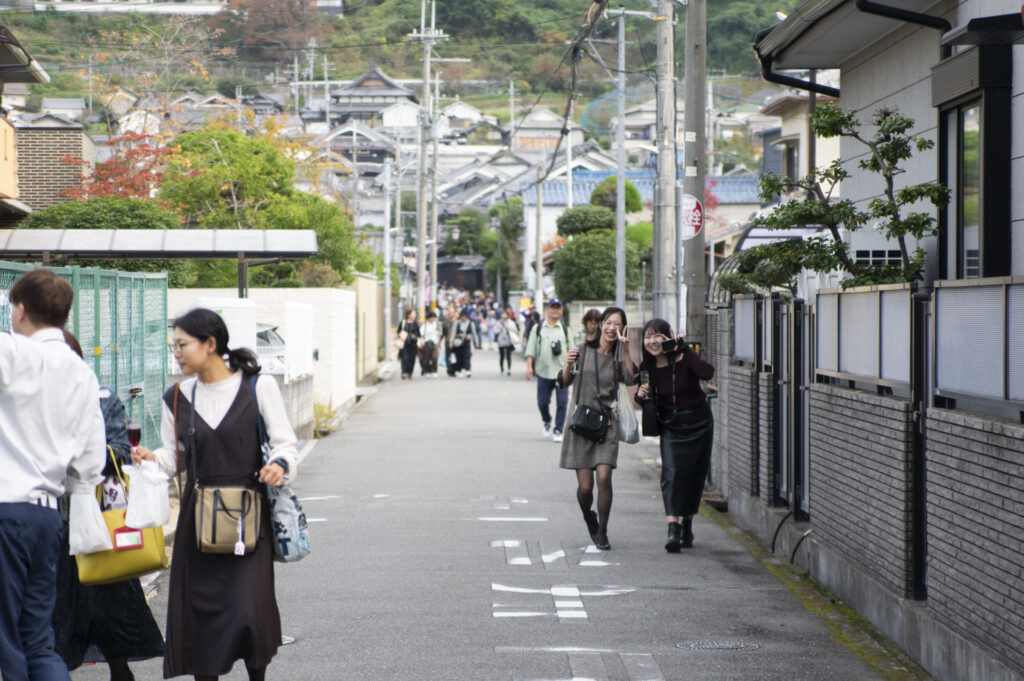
x=893, y=72
x=334, y=329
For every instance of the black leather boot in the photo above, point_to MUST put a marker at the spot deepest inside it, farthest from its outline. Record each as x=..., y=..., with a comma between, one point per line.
x=687, y=538
x=592, y=524
x=672, y=545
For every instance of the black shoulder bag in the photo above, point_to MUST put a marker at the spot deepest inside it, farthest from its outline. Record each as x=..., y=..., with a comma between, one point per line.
x=588, y=422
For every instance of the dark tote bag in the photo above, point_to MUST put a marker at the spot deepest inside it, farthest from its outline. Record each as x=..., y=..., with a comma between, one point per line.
x=588, y=422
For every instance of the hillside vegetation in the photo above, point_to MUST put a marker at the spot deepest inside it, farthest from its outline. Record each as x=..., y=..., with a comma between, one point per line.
x=520, y=39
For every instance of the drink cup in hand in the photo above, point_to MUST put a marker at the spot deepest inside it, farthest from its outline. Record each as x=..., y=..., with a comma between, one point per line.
x=134, y=432
x=576, y=363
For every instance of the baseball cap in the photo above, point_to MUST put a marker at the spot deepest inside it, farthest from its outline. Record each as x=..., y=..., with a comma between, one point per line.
x=554, y=302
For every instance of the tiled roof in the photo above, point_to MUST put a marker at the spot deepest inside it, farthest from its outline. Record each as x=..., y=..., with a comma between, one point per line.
x=728, y=189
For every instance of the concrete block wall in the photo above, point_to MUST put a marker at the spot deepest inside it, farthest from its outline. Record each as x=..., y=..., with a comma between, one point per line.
x=975, y=541
x=334, y=330
x=40, y=173
x=766, y=438
x=860, y=481
x=743, y=431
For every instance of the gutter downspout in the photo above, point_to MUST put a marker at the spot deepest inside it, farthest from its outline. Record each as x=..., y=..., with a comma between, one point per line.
x=772, y=77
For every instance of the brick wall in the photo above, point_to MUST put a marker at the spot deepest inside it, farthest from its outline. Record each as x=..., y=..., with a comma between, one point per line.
x=40, y=173
x=860, y=456
x=766, y=437
x=975, y=516
x=743, y=430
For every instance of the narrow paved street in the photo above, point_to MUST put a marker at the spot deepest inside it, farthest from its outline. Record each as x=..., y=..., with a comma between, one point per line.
x=448, y=547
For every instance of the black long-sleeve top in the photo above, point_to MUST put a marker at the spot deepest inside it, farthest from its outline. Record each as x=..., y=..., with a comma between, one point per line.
x=690, y=370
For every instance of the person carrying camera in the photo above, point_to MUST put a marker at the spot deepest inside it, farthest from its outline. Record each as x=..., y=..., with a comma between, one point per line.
x=546, y=347
x=676, y=408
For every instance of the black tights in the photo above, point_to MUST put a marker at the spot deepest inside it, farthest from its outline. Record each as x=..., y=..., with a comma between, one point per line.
x=585, y=492
x=504, y=354
x=255, y=674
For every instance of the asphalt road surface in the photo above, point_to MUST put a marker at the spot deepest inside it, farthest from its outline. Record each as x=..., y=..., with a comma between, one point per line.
x=448, y=546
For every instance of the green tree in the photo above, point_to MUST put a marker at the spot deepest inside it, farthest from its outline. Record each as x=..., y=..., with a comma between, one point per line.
x=335, y=233
x=115, y=212
x=889, y=147
x=585, y=267
x=506, y=258
x=642, y=234
x=607, y=193
x=580, y=219
x=221, y=179
x=470, y=224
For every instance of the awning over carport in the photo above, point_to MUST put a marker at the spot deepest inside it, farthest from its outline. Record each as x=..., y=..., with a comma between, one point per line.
x=158, y=243
x=245, y=245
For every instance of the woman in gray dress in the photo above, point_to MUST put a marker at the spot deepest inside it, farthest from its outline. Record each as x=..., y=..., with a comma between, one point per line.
x=603, y=363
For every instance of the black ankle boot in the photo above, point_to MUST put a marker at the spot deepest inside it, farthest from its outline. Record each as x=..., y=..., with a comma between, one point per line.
x=672, y=545
x=592, y=524
x=687, y=538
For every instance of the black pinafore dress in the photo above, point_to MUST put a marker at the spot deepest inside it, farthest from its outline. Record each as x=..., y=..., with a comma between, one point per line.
x=221, y=607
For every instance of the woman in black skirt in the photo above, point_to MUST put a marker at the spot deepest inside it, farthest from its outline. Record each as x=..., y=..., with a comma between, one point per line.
x=684, y=423
x=220, y=607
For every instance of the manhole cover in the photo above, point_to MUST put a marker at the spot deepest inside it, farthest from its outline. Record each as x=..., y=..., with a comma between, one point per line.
x=717, y=645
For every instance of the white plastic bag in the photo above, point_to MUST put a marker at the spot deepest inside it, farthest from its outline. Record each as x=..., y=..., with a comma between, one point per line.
x=87, y=531
x=629, y=428
x=147, y=496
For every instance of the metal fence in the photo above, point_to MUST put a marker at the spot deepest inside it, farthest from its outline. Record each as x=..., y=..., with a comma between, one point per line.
x=744, y=337
x=120, y=320
x=978, y=324
x=864, y=333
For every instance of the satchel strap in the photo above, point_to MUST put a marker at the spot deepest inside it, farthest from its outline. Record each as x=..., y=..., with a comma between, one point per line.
x=177, y=447
x=260, y=425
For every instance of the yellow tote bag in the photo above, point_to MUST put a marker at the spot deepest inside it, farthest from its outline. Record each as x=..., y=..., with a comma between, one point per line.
x=135, y=552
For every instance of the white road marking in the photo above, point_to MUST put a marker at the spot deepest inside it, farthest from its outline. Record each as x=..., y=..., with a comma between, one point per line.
x=587, y=666
x=641, y=667
x=330, y=496
x=505, y=543
x=509, y=519
x=553, y=556
x=316, y=520
x=381, y=496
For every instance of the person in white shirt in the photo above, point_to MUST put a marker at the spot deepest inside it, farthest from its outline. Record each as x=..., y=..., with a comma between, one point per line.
x=430, y=334
x=221, y=608
x=52, y=440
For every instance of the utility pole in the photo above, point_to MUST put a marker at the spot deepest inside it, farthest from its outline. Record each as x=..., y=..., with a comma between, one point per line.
x=428, y=37
x=327, y=97
x=512, y=115
x=568, y=159
x=538, y=295
x=694, y=260
x=664, y=274
x=387, y=255
x=90, y=83
x=295, y=88
x=620, y=184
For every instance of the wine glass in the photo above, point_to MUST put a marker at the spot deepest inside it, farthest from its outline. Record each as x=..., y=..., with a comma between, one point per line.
x=134, y=429
x=576, y=364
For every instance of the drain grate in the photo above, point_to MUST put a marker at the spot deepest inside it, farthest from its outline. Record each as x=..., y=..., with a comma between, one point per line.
x=717, y=645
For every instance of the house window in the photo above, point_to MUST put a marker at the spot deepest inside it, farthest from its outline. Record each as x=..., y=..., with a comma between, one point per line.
x=791, y=161
x=969, y=191
x=972, y=90
x=878, y=257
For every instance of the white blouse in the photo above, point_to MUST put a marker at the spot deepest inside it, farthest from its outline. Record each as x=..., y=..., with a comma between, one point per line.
x=213, y=400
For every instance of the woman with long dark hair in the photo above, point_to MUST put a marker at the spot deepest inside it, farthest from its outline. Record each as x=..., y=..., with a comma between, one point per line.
x=684, y=423
x=221, y=607
x=601, y=364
